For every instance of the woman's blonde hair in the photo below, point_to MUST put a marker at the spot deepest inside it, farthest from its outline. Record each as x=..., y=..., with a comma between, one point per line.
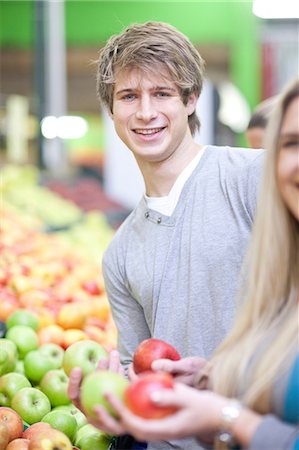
x=265, y=334
x=148, y=47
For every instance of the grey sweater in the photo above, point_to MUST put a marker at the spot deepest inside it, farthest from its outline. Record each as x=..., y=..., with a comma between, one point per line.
x=175, y=278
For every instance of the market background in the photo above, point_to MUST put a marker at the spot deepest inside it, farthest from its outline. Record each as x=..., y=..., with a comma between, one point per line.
x=67, y=182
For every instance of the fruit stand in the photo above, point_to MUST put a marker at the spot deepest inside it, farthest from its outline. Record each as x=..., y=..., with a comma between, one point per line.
x=52, y=298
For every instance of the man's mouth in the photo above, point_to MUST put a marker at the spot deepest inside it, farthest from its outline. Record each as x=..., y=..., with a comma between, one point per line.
x=148, y=131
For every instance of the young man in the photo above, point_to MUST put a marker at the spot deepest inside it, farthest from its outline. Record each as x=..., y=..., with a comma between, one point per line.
x=172, y=269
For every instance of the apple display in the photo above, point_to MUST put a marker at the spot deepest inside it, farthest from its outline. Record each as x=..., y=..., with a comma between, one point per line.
x=25, y=339
x=92, y=287
x=18, y=444
x=84, y=354
x=10, y=384
x=90, y=438
x=50, y=334
x=74, y=412
x=22, y=317
x=31, y=404
x=35, y=429
x=151, y=349
x=138, y=395
x=12, y=421
x=3, y=328
x=55, y=384
x=53, y=352
x=8, y=356
x=50, y=440
x=94, y=387
x=63, y=422
x=19, y=367
x=4, y=436
x=36, y=365
x=71, y=336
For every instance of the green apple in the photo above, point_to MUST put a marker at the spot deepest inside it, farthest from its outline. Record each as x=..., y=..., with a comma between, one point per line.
x=63, y=422
x=19, y=367
x=75, y=412
x=90, y=438
x=25, y=339
x=84, y=354
x=53, y=352
x=55, y=384
x=10, y=384
x=95, y=385
x=31, y=404
x=8, y=355
x=36, y=365
x=22, y=317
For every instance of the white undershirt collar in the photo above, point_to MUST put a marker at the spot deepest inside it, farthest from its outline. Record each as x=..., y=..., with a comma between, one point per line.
x=166, y=205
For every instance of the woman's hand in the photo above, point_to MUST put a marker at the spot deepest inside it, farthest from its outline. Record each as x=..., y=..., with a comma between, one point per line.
x=183, y=370
x=198, y=415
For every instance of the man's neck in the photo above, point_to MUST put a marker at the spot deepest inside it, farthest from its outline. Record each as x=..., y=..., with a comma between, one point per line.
x=159, y=177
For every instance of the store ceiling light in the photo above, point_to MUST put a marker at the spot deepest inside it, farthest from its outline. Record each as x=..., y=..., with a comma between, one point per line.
x=276, y=9
x=64, y=127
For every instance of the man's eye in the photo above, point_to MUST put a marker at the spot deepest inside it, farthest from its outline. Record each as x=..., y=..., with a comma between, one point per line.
x=129, y=97
x=162, y=94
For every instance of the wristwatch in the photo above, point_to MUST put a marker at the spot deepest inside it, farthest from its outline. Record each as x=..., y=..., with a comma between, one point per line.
x=229, y=414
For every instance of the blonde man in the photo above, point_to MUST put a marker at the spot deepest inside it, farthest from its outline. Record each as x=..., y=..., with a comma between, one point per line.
x=255, y=372
x=172, y=269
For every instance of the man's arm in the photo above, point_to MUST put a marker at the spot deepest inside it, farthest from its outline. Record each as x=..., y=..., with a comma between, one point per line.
x=127, y=313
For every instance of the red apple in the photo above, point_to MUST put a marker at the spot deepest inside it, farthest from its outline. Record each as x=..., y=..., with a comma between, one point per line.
x=150, y=350
x=35, y=429
x=13, y=422
x=18, y=444
x=94, y=387
x=4, y=436
x=50, y=440
x=138, y=395
x=91, y=287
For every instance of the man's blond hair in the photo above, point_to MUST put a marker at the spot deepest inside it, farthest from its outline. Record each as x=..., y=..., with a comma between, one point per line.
x=149, y=47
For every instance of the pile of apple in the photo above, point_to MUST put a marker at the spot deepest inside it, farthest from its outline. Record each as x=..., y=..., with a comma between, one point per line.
x=35, y=410
x=48, y=276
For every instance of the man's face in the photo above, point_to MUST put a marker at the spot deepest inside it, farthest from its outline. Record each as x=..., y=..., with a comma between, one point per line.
x=149, y=115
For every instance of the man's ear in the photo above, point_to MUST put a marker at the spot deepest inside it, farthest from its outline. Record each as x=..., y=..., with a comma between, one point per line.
x=191, y=104
x=110, y=113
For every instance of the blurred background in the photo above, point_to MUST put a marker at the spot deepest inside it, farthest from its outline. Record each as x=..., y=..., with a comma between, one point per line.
x=51, y=119
x=67, y=182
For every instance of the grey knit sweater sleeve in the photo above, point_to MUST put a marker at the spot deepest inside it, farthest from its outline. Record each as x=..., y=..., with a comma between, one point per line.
x=273, y=434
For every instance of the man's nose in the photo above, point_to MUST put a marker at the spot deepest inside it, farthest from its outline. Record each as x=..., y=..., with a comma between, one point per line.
x=146, y=110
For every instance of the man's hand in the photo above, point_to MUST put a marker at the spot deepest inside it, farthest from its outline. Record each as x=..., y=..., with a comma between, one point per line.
x=111, y=363
x=183, y=370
